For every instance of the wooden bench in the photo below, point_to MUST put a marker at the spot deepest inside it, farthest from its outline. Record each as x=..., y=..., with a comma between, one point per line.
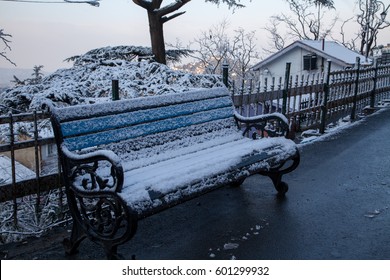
x=125, y=160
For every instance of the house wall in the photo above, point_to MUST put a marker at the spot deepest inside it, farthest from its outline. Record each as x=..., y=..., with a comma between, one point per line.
x=25, y=156
x=278, y=66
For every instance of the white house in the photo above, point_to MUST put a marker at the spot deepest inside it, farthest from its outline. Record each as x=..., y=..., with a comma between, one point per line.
x=308, y=57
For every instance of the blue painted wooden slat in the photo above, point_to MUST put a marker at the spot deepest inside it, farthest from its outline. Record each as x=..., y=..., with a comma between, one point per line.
x=101, y=138
x=104, y=123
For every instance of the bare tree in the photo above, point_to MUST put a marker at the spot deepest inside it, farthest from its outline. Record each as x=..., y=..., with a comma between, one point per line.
x=214, y=47
x=158, y=15
x=243, y=52
x=278, y=40
x=303, y=22
x=4, y=37
x=372, y=19
x=348, y=43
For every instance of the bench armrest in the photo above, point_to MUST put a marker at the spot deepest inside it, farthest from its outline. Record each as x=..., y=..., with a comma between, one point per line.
x=81, y=170
x=267, y=125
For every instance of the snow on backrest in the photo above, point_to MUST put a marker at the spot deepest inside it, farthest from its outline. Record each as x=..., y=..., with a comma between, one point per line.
x=101, y=109
x=93, y=125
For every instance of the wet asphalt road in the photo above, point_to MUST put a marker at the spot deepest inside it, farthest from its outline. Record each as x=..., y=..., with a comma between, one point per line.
x=337, y=207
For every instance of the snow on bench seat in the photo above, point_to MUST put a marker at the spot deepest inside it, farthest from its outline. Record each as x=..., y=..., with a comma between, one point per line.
x=159, y=176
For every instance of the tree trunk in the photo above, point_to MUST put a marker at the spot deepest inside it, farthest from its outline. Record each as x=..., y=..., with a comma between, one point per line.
x=157, y=37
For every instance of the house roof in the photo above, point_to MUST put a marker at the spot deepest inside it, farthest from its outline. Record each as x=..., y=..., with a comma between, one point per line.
x=327, y=49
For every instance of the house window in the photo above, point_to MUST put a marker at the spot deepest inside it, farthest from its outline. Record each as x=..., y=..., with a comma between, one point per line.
x=310, y=62
x=50, y=149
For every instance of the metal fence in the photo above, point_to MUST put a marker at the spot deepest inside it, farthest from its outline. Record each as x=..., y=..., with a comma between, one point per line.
x=25, y=198
x=313, y=101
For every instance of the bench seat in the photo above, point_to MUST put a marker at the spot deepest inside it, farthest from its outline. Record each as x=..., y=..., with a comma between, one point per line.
x=157, y=177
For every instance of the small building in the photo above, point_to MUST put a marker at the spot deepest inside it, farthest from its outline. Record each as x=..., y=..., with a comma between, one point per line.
x=382, y=54
x=308, y=57
x=46, y=152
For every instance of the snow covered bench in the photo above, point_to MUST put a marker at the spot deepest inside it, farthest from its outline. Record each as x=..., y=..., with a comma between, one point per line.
x=126, y=160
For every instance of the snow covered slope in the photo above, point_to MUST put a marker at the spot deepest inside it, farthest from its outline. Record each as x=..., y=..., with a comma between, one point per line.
x=91, y=81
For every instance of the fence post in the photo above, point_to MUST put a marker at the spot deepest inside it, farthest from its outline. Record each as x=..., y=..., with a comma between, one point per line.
x=353, y=112
x=13, y=169
x=373, y=93
x=324, y=107
x=115, y=90
x=37, y=166
x=225, y=74
x=285, y=89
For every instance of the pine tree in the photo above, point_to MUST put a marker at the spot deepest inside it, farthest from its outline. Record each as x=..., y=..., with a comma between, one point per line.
x=37, y=75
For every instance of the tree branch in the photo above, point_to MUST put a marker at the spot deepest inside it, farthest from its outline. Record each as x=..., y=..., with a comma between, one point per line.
x=144, y=4
x=165, y=19
x=171, y=7
x=7, y=46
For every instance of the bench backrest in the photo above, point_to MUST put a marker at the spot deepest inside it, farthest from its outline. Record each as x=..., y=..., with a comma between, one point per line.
x=85, y=126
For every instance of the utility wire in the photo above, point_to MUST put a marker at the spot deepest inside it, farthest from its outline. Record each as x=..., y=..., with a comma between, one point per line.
x=41, y=2
x=92, y=2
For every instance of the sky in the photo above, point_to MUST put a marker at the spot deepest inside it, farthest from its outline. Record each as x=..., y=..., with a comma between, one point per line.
x=46, y=34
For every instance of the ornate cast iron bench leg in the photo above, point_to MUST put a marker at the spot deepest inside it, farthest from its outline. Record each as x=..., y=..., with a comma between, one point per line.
x=77, y=236
x=103, y=217
x=277, y=172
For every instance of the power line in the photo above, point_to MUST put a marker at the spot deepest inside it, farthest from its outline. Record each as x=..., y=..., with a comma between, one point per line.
x=94, y=3
x=41, y=2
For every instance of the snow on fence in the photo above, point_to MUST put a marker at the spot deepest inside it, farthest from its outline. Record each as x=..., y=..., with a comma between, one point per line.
x=313, y=101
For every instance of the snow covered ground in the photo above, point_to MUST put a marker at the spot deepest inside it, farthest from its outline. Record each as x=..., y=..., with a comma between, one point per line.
x=336, y=128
